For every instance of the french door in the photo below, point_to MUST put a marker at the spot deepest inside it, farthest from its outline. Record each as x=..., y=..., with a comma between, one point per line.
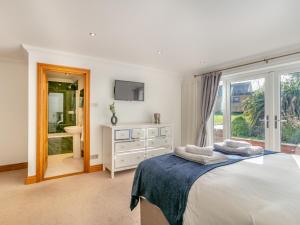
x=263, y=109
x=287, y=111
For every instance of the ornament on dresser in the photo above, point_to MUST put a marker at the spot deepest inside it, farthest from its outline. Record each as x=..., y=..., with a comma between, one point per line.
x=114, y=118
x=157, y=118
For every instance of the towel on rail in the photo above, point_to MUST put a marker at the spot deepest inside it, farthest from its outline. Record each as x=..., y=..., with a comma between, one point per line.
x=243, y=151
x=216, y=157
x=208, y=151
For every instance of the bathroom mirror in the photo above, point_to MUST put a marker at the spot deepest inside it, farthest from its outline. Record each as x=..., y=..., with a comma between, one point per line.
x=55, y=110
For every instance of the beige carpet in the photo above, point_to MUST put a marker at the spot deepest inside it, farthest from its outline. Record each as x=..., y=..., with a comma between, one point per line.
x=87, y=199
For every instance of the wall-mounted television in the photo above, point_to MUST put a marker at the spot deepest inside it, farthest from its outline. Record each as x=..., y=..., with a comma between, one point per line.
x=128, y=90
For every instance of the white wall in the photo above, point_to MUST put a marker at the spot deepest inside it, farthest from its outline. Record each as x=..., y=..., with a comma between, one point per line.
x=162, y=94
x=13, y=113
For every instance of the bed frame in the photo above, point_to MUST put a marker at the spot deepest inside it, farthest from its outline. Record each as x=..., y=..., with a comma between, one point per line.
x=151, y=214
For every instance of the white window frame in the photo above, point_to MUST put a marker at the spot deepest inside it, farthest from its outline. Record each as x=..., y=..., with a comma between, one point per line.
x=272, y=100
x=277, y=104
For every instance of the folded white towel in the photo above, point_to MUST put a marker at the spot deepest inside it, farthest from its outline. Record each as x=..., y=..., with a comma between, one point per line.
x=217, y=157
x=236, y=144
x=246, y=151
x=208, y=151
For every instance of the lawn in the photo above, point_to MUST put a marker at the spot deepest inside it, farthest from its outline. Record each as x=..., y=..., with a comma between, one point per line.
x=218, y=118
x=238, y=129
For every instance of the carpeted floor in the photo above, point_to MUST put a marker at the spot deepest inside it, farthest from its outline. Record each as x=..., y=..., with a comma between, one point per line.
x=87, y=199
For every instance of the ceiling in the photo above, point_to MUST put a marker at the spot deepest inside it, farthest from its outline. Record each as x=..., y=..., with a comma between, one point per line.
x=191, y=35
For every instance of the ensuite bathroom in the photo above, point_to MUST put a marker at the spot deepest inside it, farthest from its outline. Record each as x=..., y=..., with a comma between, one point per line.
x=65, y=124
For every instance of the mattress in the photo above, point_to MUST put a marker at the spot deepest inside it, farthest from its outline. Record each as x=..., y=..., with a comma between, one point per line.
x=258, y=191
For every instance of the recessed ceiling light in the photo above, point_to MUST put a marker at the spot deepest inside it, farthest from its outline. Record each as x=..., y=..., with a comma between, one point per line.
x=159, y=52
x=92, y=34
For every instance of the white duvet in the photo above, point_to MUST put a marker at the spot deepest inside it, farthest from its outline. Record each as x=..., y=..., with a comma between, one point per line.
x=260, y=191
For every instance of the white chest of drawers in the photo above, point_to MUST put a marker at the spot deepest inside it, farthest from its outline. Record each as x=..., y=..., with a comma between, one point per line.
x=125, y=146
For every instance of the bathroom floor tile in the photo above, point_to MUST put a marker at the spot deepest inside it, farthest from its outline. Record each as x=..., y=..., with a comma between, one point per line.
x=63, y=164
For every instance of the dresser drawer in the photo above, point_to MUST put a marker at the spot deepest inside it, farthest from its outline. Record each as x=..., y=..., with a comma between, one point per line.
x=138, y=133
x=165, y=131
x=129, y=146
x=165, y=141
x=158, y=142
x=153, y=143
x=157, y=152
x=129, y=159
x=122, y=134
x=152, y=132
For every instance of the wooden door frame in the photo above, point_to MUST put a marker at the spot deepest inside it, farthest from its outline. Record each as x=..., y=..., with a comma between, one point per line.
x=42, y=114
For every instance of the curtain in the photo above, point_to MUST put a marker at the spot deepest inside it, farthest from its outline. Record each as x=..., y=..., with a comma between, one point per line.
x=207, y=88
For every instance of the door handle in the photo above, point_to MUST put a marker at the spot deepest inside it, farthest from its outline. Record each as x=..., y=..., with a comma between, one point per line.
x=277, y=120
x=265, y=120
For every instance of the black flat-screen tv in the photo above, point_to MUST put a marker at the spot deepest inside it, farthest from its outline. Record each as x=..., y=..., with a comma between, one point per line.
x=128, y=91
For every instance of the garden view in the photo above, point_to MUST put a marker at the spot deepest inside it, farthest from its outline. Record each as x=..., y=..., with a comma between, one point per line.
x=248, y=110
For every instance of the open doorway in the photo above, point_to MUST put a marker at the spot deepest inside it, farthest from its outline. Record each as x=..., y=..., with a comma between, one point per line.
x=63, y=121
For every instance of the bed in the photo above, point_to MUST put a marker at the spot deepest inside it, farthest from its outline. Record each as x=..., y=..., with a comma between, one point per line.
x=262, y=190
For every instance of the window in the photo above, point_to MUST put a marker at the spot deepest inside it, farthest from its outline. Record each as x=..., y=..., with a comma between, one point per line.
x=263, y=109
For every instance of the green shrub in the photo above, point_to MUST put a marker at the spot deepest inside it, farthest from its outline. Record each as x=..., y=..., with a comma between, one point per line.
x=290, y=133
x=239, y=127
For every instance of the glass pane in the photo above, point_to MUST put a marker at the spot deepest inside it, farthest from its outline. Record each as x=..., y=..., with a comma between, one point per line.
x=218, y=115
x=61, y=106
x=55, y=111
x=290, y=112
x=247, y=107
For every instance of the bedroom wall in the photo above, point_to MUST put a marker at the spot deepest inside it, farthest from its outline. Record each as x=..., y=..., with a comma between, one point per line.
x=162, y=94
x=13, y=113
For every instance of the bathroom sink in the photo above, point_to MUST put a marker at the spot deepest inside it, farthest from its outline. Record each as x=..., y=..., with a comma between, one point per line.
x=73, y=129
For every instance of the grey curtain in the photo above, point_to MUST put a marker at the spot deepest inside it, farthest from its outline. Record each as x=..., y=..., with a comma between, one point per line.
x=207, y=91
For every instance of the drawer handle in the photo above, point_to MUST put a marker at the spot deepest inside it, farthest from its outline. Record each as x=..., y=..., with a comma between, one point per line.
x=122, y=160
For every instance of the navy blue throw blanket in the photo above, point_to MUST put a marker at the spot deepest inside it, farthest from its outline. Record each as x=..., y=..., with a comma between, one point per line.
x=166, y=180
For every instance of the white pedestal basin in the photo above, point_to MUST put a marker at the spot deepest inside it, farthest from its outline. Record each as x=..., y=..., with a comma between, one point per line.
x=75, y=131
